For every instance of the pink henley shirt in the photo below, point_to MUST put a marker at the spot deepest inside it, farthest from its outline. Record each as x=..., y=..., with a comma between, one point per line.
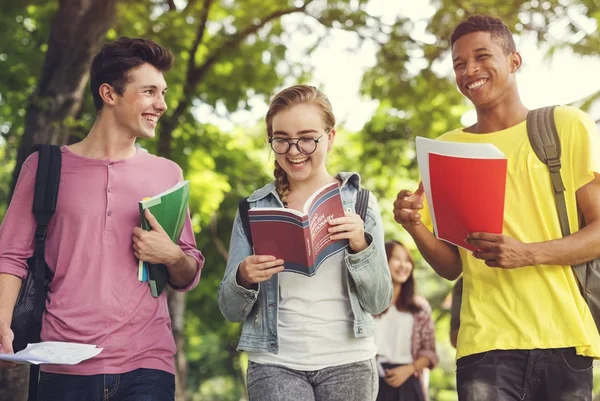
x=95, y=296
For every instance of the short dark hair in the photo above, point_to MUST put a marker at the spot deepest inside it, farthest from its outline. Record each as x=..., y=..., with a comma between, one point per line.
x=114, y=61
x=485, y=23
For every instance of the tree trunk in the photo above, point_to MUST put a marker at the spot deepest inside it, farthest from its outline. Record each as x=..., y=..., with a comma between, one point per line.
x=13, y=384
x=77, y=33
x=177, y=310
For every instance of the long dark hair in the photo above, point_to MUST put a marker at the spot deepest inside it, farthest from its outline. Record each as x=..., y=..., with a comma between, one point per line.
x=406, y=300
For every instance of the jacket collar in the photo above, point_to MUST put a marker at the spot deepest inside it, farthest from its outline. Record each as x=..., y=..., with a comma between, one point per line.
x=347, y=178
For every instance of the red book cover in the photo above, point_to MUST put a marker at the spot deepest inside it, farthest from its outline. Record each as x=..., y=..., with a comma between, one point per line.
x=301, y=239
x=467, y=195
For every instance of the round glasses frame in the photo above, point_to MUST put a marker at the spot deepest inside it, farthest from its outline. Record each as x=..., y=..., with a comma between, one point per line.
x=290, y=142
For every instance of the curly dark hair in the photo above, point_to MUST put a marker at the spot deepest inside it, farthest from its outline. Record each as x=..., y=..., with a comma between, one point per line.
x=485, y=23
x=114, y=61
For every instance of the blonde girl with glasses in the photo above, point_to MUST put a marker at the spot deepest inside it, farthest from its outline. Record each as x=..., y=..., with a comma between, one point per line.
x=308, y=338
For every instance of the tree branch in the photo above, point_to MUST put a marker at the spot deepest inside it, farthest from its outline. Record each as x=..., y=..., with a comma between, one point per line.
x=197, y=73
x=215, y=237
x=171, y=4
x=199, y=37
x=189, y=4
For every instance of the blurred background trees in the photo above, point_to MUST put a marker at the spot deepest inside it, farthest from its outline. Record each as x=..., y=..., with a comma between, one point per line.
x=231, y=57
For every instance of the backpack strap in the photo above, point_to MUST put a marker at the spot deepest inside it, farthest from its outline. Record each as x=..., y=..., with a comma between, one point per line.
x=362, y=203
x=544, y=140
x=47, y=180
x=543, y=136
x=243, y=207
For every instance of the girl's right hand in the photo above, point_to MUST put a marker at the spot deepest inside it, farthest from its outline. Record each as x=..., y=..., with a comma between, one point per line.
x=257, y=268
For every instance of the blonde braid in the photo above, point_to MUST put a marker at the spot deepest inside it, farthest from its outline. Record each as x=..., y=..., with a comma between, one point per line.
x=282, y=184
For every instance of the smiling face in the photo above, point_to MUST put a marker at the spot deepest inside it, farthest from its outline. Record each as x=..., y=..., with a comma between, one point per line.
x=401, y=265
x=142, y=103
x=484, y=73
x=302, y=121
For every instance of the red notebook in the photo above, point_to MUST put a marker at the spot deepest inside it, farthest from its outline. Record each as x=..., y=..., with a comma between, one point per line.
x=467, y=196
x=465, y=186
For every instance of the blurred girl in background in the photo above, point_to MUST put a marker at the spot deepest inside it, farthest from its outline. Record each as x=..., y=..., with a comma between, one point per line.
x=405, y=334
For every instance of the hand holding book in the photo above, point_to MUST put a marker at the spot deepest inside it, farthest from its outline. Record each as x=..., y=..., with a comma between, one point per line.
x=255, y=269
x=154, y=246
x=302, y=239
x=350, y=227
x=168, y=210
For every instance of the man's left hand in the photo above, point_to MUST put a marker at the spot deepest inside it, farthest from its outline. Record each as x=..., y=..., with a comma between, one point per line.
x=499, y=250
x=155, y=246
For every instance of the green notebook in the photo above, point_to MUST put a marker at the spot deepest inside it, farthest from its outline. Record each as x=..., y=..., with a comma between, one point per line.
x=170, y=210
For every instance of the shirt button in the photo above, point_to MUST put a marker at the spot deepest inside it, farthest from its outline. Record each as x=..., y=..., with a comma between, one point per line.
x=108, y=189
x=110, y=165
x=108, y=213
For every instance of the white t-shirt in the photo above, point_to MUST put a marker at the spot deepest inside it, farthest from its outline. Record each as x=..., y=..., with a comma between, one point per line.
x=315, y=321
x=393, y=336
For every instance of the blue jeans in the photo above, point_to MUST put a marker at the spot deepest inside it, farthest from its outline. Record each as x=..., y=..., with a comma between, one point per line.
x=525, y=375
x=137, y=385
x=351, y=382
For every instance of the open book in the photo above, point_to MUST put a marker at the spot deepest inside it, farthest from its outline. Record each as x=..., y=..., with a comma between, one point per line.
x=465, y=186
x=170, y=210
x=301, y=239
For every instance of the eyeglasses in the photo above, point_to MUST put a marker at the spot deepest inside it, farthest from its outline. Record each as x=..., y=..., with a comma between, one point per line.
x=305, y=145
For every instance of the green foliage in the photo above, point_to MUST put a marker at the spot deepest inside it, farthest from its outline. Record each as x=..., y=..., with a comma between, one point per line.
x=235, y=52
x=24, y=31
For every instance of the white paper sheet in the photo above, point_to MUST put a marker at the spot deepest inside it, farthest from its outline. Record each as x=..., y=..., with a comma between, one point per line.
x=425, y=146
x=53, y=352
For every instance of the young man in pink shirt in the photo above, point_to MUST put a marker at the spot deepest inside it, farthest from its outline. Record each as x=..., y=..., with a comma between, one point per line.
x=94, y=241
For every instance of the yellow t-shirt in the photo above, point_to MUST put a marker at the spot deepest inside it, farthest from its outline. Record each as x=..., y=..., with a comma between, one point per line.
x=536, y=306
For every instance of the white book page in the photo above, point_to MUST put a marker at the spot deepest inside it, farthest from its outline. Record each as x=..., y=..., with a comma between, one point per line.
x=306, y=207
x=278, y=209
x=425, y=146
x=53, y=352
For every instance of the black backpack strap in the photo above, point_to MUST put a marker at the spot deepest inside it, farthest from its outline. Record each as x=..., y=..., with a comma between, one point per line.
x=243, y=207
x=47, y=180
x=362, y=203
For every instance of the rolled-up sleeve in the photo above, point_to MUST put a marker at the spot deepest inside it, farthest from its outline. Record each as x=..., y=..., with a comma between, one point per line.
x=18, y=227
x=187, y=243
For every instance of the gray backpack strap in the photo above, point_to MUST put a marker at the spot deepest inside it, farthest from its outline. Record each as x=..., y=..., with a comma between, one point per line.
x=543, y=136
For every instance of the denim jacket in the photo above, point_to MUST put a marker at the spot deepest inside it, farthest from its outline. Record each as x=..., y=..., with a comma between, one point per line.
x=368, y=276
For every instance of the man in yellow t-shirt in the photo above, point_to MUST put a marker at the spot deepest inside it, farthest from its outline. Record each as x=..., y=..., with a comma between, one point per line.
x=526, y=332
